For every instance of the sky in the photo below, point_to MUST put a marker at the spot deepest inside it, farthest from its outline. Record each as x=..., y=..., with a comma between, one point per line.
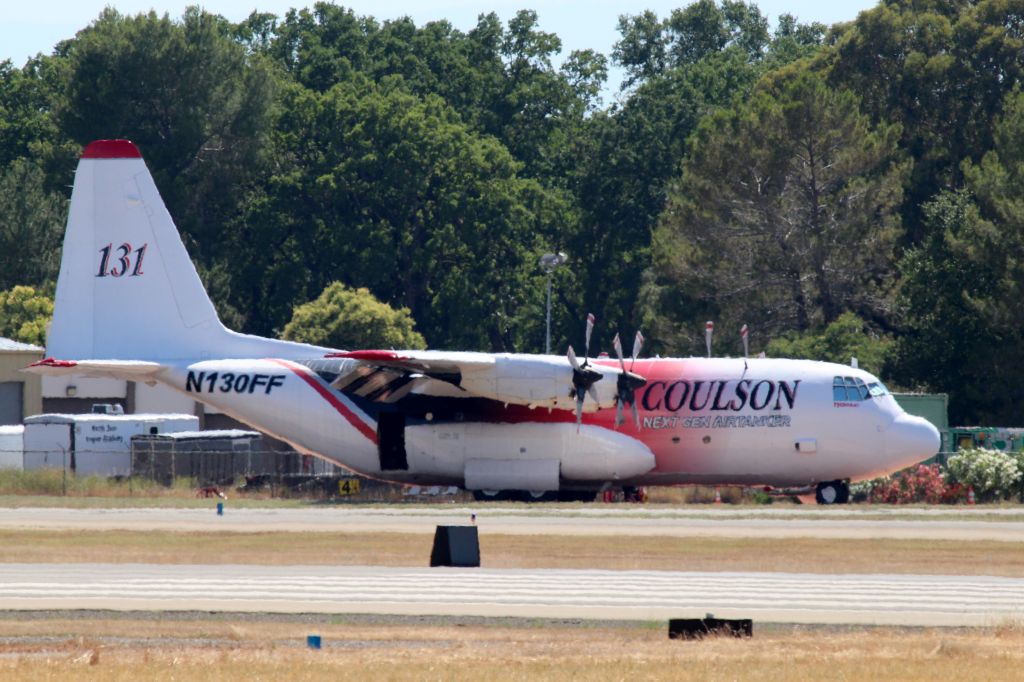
x=28, y=28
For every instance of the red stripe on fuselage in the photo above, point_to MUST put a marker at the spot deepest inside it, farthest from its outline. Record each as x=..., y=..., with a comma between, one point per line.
x=306, y=375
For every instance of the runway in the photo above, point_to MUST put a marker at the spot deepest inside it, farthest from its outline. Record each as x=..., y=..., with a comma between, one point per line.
x=557, y=593
x=636, y=595
x=943, y=523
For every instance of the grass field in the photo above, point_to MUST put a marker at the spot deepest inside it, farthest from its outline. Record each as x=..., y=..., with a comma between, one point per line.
x=227, y=648
x=520, y=551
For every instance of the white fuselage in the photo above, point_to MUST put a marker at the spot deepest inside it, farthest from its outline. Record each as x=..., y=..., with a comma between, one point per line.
x=774, y=422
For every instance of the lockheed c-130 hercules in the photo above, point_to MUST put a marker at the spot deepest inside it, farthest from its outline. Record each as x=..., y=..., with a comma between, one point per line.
x=130, y=305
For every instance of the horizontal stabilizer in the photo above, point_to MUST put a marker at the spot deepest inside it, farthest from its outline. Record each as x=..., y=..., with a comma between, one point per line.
x=130, y=370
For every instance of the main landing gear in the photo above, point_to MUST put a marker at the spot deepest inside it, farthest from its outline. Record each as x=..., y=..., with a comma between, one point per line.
x=534, y=495
x=832, y=492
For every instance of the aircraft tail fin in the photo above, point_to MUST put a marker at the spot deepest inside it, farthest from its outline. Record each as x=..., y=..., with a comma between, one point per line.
x=127, y=288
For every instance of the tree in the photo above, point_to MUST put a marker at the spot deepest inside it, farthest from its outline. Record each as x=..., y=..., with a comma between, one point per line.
x=25, y=314
x=623, y=159
x=31, y=226
x=939, y=69
x=648, y=47
x=499, y=79
x=946, y=343
x=23, y=117
x=784, y=217
x=382, y=189
x=192, y=98
x=346, y=318
x=962, y=295
x=845, y=338
x=28, y=127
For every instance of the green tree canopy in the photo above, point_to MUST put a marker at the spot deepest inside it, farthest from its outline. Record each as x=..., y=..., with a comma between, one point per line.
x=188, y=94
x=682, y=68
x=383, y=189
x=500, y=79
x=945, y=341
x=963, y=288
x=940, y=69
x=784, y=217
x=24, y=314
x=350, y=319
x=846, y=337
x=31, y=226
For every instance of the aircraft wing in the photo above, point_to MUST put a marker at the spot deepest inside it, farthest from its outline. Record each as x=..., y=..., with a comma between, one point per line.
x=131, y=370
x=443, y=365
x=533, y=380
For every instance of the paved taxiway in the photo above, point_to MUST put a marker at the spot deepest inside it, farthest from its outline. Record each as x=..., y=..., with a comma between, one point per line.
x=947, y=523
x=645, y=595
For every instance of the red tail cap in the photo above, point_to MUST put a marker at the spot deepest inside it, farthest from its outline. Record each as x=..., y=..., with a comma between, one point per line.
x=111, y=149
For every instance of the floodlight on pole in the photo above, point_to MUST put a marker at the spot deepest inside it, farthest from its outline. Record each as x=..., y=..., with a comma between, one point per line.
x=549, y=262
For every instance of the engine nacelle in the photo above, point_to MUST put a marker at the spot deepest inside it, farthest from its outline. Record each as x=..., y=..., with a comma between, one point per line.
x=537, y=381
x=530, y=456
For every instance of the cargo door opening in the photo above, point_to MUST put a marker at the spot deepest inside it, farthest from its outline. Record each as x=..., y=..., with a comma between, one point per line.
x=391, y=441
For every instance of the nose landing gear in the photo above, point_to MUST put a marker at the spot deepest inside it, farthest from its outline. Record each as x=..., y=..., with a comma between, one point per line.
x=832, y=492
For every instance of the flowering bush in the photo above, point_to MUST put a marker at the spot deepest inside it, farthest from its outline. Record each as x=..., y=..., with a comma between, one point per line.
x=994, y=475
x=861, y=490
x=918, y=484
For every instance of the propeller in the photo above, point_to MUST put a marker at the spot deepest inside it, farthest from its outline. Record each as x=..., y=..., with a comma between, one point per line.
x=628, y=382
x=583, y=375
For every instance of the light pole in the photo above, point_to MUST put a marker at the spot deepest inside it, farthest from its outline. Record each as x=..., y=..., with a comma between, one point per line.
x=549, y=262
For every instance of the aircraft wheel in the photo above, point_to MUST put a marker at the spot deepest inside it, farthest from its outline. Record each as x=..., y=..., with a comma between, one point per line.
x=539, y=496
x=832, y=492
x=492, y=495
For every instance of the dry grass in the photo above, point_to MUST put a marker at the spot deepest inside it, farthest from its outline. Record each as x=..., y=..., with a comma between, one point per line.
x=127, y=649
x=520, y=551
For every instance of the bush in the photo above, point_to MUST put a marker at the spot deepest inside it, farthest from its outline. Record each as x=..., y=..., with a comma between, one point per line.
x=861, y=490
x=919, y=484
x=994, y=475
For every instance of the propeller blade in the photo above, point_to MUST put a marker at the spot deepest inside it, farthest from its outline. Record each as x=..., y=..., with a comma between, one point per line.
x=579, y=413
x=572, y=359
x=744, y=332
x=625, y=393
x=709, y=329
x=617, y=345
x=592, y=392
x=590, y=329
x=638, y=343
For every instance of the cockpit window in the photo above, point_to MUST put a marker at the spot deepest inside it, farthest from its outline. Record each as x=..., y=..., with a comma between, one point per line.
x=856, y=387
x=839, y=390
x=851, y=389
x=877, y=388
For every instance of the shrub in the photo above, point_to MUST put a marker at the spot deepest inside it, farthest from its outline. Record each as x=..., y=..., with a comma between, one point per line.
x=861, y=490
x=919, y=484
x=994, y=475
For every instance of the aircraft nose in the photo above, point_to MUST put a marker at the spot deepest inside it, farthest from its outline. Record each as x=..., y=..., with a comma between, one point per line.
x=911, y=439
